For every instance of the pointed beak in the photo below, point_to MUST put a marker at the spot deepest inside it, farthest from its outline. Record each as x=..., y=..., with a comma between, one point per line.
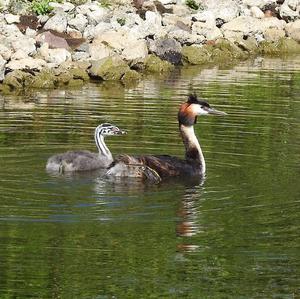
x=121, y=132
x=213, y=111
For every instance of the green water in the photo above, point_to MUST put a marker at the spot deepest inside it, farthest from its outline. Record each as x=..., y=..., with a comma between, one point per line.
x=234, y=235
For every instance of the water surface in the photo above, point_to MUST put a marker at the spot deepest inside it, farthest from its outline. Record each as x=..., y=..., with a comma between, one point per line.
x=233, y=235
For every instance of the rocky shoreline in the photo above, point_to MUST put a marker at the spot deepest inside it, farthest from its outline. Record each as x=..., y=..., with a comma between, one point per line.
x=126, y=39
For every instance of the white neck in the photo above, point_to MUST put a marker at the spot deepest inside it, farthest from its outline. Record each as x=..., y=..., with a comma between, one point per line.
x=103, y=149
x=192, y=147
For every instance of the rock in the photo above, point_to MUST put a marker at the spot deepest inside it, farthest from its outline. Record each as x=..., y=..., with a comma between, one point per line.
x=167, y=49
x=10, y=18
x=57, y=23
x=205, y=16
x=181, y=10
x=79, y=22
x=288, y=10
x=273, y=34
x=44, y=79
x=288, y=46
x=52, y=40
x=230, y=50
x=292, y=30
x=5, y=52
x=97, y=50
x=97, y=15
x=56, y=56
x=131, y=76
x=249, y=45
x=66, y=6
x=154, y=64
x=79, y=56
x=226, y=10
x=2, y=68
x=30, y=32
x=110, y=68
x=135, y=51
x=271, y=22
x=91, y=32
x=245, y=25
x=78, y=73
x=26, y=64
x=26, y=44
x=18, y=7
x=171, y=19
x=196, y=55
x=73, y=33
x=211, y=32
x=17, y=79
x=166, y=2
x=19, y=54
x=256, y=12
x=186, y=38
x=282, y=46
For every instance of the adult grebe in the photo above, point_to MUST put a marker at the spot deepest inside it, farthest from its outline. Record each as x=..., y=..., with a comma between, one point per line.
x=163, y=166
x=85, y=160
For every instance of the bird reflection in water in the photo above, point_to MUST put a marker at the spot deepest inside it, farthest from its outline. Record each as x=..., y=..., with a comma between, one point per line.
x=188, y=225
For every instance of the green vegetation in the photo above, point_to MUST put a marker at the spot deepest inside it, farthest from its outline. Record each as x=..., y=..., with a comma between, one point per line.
x=192, y=4
x=41, y=7
x=121, y=21
x=105, y=3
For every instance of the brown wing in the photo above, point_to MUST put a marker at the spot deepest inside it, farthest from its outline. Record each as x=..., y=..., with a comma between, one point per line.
x=164, y=165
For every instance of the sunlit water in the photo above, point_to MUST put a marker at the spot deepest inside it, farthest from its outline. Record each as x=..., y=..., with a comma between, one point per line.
x=234, y=235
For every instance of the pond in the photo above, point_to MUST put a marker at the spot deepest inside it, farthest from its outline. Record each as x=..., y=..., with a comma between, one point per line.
x=235, y=234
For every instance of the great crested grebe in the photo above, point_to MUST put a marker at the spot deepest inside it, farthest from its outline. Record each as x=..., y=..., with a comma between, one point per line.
x=163, y=166
x=85, y=160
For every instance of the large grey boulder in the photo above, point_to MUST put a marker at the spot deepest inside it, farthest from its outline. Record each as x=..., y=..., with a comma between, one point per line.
x=210, y=31
x=97, y=50
x=290, y=9
x=24, y=43
x=167, y=49
x=79, y=22
x=136, y=51
x=226, y=10
x=55, y=56
x=57, y=23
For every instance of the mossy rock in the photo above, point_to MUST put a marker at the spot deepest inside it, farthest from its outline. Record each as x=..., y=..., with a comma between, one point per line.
x=131, y=76
x=269, y=48
x=288, y=45
x=78, y=73
x=18, y=79
x=64, y=78
x=196, y=55
x=4, y=89
x=222, y=56
x=110, y=68
x=229, y=48
x=75, y=83
x=45, y=79
x=249, y=45
x=154, y=64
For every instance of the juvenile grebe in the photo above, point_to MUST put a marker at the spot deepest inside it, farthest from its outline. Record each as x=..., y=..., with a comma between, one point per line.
x=167, y=166
x=85, y=160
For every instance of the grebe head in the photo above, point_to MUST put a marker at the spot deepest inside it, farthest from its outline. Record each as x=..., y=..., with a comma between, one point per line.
x=107, y=129
x=192, y=108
